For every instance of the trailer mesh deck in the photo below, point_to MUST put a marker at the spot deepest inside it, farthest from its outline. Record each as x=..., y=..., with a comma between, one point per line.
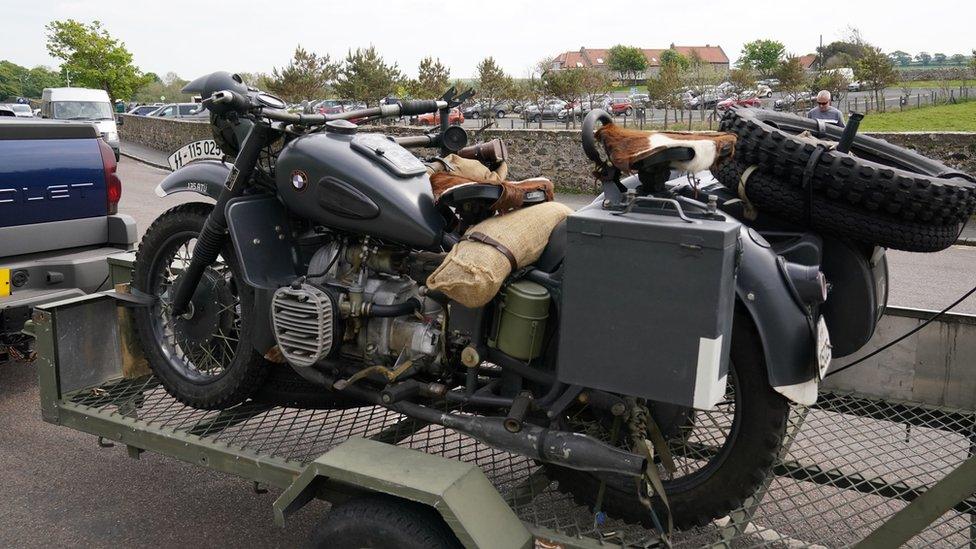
x=850, y=464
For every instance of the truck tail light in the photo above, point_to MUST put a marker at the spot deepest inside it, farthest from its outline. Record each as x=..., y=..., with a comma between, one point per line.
x=113, y=185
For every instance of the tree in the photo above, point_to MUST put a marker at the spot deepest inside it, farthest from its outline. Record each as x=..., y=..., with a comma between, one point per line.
x=595, y=83
x=627, y=60
x=93, y=58
x=877, y=71
x=924, y=58
x=792, y=77
x=259, y=80
x=521, y=93
x=763, y=55
x=566, y=84
x=700, y=77
x=17, y=81
x=307, y=76
x=365, y=76
x=958, y=59
x=673, y=57
x=972, y=63
x=832, y=81
x=901, y=57
x=492, y=84
x=742, y=78
x=433, y=78
x=170, y=87
x=939, y=58
x=663, y=89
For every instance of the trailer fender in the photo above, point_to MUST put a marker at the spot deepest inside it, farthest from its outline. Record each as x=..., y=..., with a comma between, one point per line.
x=204, y=177
x=459, y=491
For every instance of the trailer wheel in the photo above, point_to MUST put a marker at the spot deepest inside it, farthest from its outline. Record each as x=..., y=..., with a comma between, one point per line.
x=379, y=521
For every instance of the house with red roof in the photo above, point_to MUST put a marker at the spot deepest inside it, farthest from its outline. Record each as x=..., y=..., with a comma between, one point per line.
x=600, y=58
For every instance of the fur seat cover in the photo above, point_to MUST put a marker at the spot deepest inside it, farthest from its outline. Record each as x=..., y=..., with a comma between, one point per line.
x=627, y=147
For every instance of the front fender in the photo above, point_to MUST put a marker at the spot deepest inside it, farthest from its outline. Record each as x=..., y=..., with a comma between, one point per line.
x=204, y=177
x=784, y=328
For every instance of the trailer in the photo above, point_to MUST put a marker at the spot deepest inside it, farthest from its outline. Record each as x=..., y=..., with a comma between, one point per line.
x=883, y=459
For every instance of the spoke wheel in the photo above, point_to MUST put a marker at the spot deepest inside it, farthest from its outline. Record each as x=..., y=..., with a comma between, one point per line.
x=203, y=357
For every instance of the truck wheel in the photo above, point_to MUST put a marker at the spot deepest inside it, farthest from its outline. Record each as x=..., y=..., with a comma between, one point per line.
x=204, y=358
x=380, y=521
x=722, y=456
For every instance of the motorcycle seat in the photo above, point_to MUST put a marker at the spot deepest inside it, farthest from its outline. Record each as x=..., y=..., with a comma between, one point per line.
x=474, y=197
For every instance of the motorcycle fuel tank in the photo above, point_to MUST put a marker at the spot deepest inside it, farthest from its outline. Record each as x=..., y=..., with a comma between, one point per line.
x=363, y=183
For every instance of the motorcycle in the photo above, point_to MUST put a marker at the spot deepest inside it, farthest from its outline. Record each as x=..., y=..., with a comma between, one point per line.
x=315, y=254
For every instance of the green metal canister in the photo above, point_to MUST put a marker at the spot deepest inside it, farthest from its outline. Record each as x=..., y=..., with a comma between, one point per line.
x=521, y=319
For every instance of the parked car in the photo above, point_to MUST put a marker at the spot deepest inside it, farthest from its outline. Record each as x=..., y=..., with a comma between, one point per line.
x=20, y=110
x=621, y=105
x=454, y=118
x=549, y=111
x=59, y=195
x=708, y=100
x=479, y=110
x=763, y=90
x=143, y=110
x=794, y=101
x=771, y=82
x=194, y=111
x=855, y=86
x=738, y=101
x=82, y=104
x=577, y=109
x=7, y=112
x=639, y=98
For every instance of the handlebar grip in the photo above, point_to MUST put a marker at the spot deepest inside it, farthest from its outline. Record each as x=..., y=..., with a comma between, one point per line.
x=229, y=100
x=413, y=107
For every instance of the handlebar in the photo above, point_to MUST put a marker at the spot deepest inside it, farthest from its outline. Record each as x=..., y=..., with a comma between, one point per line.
x=228, y=100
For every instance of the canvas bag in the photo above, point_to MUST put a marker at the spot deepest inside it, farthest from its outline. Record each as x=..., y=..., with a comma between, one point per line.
x=473, y=271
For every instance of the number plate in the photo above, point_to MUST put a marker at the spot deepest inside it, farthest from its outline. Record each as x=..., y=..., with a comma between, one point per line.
x=4, y=282
x=198, y=150
x=824, y=354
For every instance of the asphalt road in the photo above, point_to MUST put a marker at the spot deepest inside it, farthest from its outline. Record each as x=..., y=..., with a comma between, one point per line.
x=61, y=489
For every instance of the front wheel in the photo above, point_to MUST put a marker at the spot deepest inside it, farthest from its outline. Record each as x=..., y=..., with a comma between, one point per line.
x=204, y=358
x=721, y=455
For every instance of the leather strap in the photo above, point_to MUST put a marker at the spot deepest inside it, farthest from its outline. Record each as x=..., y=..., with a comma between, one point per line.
x=485, y=239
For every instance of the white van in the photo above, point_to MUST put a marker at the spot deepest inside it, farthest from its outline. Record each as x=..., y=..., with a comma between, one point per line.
x=82, y=104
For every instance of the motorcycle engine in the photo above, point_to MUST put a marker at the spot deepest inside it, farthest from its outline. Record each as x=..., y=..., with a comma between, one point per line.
x=333, y=312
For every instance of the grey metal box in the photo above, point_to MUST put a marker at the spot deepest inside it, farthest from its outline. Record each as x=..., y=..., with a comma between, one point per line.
x=647, y=304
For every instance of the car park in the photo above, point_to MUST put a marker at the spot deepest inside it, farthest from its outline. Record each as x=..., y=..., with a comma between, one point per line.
x=82, y=104
x=621, y=106
x=738, y=101
x=794, y=101
x=432, y=119
x=143, y=110
x=578, y=110
x=549, y=111
x=20, y=110
x=182, y=110
x=707, y=99
x=771, y=82
x=480, y=110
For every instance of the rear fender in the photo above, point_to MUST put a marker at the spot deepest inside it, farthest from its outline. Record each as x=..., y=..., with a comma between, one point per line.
x=784, y=328
x=204, y=177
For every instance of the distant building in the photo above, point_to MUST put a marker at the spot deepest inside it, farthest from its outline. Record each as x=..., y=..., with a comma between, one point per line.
x=599, y=58
x=810, y=61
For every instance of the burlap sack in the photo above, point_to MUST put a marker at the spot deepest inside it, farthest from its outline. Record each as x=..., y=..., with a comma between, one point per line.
x=473, y=272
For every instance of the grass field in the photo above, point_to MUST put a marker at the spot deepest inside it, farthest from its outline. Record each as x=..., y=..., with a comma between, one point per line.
x=958, y=117
x=936, y=84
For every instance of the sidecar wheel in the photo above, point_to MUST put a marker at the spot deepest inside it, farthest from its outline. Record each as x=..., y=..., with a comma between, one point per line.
x=204, y=358
x=727, y=475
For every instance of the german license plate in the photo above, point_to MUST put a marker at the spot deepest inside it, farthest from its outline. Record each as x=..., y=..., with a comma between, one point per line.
x=198, y=150
x=824, y=353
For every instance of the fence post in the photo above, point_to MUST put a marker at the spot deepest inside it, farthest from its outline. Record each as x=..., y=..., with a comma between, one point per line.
x=855, y=104
x=918, y=100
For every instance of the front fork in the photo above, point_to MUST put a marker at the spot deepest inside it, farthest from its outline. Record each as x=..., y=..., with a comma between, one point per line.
x=214, y=233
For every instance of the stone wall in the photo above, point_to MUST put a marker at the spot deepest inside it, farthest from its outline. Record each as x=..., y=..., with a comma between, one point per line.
x=556, y=154
x=162, y=134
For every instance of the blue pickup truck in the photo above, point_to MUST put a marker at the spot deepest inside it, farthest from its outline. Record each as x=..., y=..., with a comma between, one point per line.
x=59, y=196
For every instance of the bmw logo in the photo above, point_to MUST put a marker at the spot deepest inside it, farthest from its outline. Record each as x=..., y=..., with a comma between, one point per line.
x=299, y=180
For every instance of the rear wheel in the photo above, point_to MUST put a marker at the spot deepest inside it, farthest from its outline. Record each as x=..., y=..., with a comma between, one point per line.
x=204, y=358
x=721, y=455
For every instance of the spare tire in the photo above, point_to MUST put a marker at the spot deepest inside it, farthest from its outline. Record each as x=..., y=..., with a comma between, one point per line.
x=879, y=181
x=835, y=218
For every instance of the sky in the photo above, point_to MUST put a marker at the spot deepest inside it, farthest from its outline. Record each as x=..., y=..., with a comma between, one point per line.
x=192, y=38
